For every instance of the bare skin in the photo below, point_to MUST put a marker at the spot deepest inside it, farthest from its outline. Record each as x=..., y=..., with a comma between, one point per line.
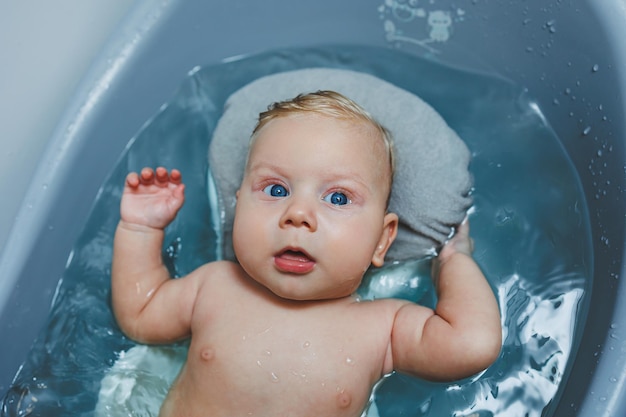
x=280, y=334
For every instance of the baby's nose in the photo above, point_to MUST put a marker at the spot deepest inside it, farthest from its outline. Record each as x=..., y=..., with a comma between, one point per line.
x=299, y=213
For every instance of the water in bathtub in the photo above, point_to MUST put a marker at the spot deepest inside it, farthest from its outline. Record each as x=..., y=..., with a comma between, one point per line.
x=529, y=223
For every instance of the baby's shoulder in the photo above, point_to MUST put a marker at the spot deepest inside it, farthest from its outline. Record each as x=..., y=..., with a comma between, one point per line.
x=218, y=270
x=219, y=281
x=217, y=273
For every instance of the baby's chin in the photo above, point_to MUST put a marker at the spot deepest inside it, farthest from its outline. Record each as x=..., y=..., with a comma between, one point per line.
x=304, y=287
x=310, y=295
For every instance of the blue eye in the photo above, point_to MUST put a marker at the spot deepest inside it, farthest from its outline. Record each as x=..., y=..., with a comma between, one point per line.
x=276, y=190
x=337, y=199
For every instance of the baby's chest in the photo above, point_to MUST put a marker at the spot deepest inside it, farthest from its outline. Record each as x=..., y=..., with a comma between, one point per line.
x=299, y=354
x=290, y=353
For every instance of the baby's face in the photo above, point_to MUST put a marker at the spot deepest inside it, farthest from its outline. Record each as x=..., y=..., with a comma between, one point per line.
x=311, y=215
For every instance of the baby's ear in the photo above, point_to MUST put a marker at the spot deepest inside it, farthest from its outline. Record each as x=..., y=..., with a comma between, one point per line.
x=388, y=235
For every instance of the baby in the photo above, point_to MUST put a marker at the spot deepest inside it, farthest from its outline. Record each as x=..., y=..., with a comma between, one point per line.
x=280, y=333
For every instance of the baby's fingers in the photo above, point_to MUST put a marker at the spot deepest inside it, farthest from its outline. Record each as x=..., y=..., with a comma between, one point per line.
x=132, y=180
x=461, y=241
x=163, y=178
x=175, y=176
x=463, y=229
x=147, y=176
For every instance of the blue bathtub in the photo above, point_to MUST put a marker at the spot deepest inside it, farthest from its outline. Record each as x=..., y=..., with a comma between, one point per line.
x=569, y=54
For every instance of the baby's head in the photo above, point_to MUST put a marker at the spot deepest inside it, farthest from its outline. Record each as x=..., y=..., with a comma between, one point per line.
x=311, y=213
x=336, y=106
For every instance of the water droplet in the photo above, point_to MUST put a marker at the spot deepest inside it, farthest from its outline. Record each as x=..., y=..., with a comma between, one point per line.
x=299, y=375
x=595, y=68
x=556, y=102
x=267, y=353
x=306, y=344
x=599, y=153
x=613, y=379
x=587, y=130
x=259, y=364
x=44, y=186
x=550, y=26
x=274, y=377
x=349, y=361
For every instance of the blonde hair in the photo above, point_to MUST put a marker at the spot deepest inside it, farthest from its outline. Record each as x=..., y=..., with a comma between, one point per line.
x=327, y=103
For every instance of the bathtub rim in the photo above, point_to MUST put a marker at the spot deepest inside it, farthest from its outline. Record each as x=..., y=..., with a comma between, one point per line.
x=32, y=220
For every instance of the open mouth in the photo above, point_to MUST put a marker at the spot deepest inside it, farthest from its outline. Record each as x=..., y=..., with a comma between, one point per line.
x=294, y=261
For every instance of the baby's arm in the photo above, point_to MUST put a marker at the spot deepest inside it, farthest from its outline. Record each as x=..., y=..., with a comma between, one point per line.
x=148, y=305
x=463, y=335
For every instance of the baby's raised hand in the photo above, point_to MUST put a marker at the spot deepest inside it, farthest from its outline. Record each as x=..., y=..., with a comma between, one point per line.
x=152, y=198
x=460, y=242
